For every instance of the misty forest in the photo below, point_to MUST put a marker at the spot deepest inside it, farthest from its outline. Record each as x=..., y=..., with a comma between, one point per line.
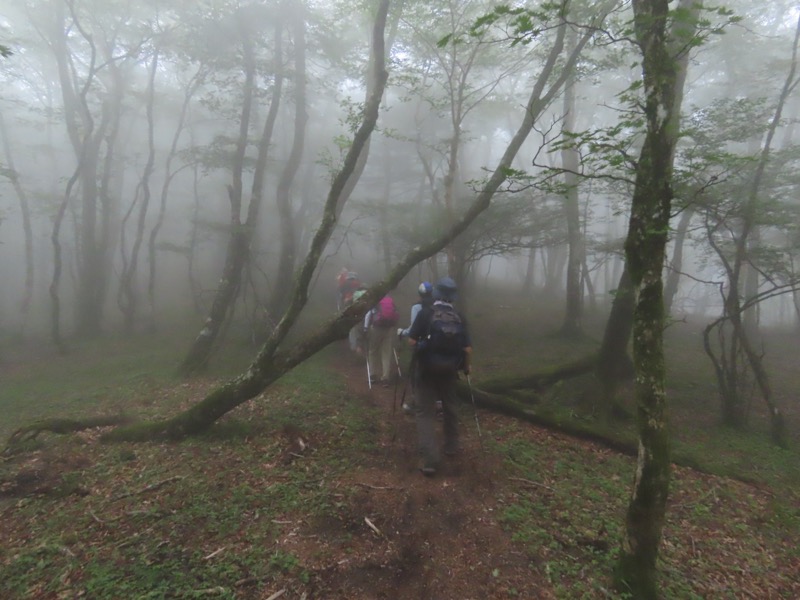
x=192, y=190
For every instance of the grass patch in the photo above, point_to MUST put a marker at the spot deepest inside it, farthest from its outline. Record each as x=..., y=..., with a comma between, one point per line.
x=179, y=520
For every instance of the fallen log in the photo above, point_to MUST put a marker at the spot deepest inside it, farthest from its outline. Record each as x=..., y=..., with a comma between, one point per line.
x=542, y=379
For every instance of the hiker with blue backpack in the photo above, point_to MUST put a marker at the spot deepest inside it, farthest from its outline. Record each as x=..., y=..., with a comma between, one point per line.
x=442, y=346
x=379, y=325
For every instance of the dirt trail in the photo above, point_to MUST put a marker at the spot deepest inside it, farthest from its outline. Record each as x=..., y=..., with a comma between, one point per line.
x=439, y=537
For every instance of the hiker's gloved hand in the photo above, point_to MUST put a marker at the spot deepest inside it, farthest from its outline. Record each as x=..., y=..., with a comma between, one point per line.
x=467, y=370
x=400, y=332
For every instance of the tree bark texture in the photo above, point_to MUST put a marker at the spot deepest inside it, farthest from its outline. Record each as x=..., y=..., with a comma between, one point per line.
x=645, y=249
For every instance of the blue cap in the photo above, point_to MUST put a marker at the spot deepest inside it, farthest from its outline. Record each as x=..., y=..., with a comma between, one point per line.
x=445, y=289
x=425, y=289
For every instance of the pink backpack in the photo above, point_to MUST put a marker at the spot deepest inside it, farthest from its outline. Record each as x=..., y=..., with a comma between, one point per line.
x=386, y=314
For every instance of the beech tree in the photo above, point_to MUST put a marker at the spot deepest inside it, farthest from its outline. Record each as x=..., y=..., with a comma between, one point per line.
x=645, y=249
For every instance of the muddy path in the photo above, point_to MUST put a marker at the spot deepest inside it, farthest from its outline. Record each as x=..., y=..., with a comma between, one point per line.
x=425, y=537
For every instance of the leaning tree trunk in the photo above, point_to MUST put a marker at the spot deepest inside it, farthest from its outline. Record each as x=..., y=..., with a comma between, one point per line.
x=128, y=295
x=271, y=363
x=645, y=249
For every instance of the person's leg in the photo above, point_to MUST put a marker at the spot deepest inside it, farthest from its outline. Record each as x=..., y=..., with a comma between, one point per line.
x=450, y=417
x=411, y=374
x=354, y=338
x=387, y=356
x=426, y=426
x=374, y=351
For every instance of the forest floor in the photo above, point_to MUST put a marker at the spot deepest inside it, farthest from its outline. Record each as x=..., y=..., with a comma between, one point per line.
x=313, y=491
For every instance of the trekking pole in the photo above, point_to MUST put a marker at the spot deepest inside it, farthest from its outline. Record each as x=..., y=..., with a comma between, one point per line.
x=475, y=410
x=397, y=362
x=369, y=375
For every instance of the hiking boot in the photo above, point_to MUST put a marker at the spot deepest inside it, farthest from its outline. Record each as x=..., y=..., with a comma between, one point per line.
x=428, y=469
x=385, y=383
x=408, y=409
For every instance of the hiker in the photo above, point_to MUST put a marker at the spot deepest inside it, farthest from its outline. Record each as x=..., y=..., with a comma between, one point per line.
x=425, y=291
x=346, y=284
x=441, y=342
x=379, y=324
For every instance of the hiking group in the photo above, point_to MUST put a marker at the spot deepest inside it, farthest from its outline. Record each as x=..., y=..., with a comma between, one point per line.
x=441, y=347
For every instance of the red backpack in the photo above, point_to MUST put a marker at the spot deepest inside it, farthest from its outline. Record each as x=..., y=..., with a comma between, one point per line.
x=386, y=314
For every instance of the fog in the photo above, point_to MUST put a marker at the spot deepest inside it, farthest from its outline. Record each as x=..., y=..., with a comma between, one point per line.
x=131, y=133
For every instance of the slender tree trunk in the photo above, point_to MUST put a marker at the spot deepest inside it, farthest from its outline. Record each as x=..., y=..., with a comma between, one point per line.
x=128, y=296
x=58, y=264
x=557, y=257
x=676, y=264
x=530, y=269
x=573, y=316
x=288, y=233
x=191, y=88
x=27, y=228
x=191, y=251
x=645, y=249
x=86, y=139
x=751, y=318
x=386, y=247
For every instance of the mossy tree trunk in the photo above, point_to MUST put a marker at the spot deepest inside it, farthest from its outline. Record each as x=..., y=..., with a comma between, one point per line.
x=645, y=248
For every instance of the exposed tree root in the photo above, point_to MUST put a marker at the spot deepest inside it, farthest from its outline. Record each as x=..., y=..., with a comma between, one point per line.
x=62, y=426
